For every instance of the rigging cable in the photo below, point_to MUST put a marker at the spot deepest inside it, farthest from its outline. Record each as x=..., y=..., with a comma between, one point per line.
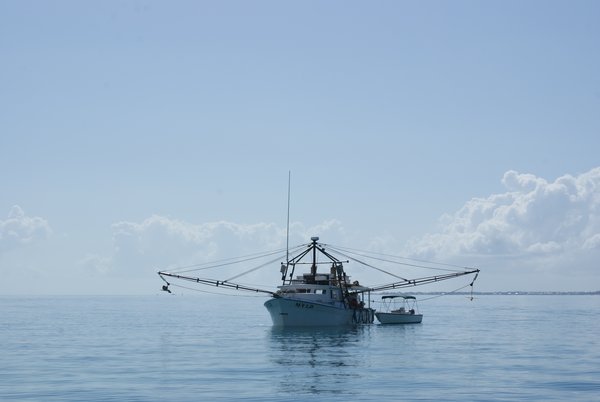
x=365, y=254
x=444, y=294
x=212, y=293
x=252, y=269
x=366, y=264
x=227, y=261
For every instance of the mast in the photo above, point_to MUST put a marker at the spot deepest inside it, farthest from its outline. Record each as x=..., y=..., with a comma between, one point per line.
x=284, y=267
x=313, y=269
x=287, y=235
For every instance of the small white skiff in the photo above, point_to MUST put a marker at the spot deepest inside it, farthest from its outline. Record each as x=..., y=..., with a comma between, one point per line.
x=399, y=309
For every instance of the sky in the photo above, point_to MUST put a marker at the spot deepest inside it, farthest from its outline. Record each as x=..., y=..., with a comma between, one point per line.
x=140, y=135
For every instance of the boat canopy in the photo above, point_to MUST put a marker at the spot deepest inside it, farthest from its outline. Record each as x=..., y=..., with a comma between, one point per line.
x=401, y=296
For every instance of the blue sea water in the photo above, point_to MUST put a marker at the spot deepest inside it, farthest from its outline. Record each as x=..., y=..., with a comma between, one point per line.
x=197, y=348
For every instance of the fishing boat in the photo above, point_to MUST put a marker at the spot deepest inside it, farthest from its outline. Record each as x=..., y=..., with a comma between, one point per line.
x=325, y=297
x=399, y=309
x=318, y=297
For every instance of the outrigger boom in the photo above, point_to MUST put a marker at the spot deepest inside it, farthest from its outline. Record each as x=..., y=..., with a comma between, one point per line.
x=425, y=280
x=396, y=285
x=210, y=282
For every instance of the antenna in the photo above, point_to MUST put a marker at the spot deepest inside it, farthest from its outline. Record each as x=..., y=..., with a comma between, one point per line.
x=287, y=244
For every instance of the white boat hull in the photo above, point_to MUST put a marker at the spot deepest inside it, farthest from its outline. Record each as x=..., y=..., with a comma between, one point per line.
x=399, y=318
x=287, y=312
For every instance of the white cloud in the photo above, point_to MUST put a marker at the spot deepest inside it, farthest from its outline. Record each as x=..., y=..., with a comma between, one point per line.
x=536, y=226
x=533, y=217
x=593, y=242
x=160, y=242
x=19, y=230
x=95, y=263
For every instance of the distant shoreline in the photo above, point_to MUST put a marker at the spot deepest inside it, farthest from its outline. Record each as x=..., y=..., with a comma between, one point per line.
x=513, y=293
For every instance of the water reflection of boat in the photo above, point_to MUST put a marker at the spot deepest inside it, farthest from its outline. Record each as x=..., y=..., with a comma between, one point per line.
x=399, y=309
x=317, y=361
